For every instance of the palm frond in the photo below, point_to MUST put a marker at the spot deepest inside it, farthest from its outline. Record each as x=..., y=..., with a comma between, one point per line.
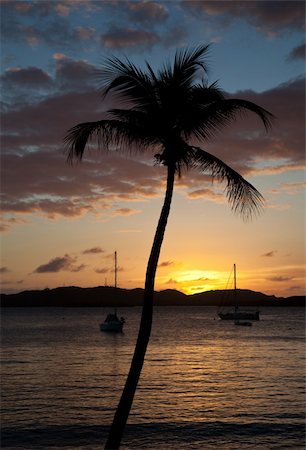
x=184, y=69
x=208, y=112
x=128, y=81
x=151, y=71
x=234, y=105
x=189, y=59
x=244, y=198
x=115, y=133
x=77, y=138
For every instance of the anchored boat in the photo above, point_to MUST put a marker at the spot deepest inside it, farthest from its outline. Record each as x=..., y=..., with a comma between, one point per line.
x=236, y=313
x=112, y=321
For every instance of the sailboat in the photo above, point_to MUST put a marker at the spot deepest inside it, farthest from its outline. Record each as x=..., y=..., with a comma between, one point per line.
x=112, y=321
x=237, y=314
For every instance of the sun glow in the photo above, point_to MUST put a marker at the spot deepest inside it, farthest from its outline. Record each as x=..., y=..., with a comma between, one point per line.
x=194, y=281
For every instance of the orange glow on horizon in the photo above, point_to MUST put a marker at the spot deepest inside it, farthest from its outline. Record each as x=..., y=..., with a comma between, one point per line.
x=195, y=281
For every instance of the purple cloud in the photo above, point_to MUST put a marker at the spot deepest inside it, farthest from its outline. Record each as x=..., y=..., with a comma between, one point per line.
x=46, y=24
x=58, y=264
x=30, y=77
x=206, y=193
x=75, y=75
x=119, y=38
x=147, y=12
x=270, y=254
x=270, y=17
x=279, y=278
x=93, y=251
x=297, y=53
x=36, y=178
x=166, y=264
x=125, y=212
x=102, y=270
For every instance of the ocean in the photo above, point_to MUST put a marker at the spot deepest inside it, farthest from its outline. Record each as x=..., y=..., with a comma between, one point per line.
x=206, y=383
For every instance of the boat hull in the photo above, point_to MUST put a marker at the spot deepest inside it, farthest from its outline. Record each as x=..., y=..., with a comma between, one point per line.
x=239, y=315
x=243, y=324
x=114, y=327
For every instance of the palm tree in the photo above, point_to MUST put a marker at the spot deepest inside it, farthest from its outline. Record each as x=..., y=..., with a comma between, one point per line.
x=168, y=111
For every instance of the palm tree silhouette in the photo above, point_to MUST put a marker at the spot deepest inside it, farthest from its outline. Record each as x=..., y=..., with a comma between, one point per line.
x=168, y=111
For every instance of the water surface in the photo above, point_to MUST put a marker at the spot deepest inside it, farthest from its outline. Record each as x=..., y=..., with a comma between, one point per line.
x=206, y=383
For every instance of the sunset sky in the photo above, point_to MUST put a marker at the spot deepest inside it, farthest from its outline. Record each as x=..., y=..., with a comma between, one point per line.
x=61, y=224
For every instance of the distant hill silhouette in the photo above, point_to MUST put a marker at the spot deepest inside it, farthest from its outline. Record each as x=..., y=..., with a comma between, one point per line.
x=116, y=297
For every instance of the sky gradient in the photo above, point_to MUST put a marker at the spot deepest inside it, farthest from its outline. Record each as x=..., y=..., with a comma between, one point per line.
x=61, y=224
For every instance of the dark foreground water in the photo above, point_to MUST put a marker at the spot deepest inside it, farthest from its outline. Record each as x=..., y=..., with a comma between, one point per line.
x=207, y=384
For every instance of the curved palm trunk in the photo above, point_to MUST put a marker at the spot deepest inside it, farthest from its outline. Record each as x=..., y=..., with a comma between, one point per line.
x=125, y=403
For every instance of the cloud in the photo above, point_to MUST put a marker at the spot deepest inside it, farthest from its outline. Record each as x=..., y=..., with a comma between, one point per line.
x=58, y=264
x=30, y=77
x=119, y=38
x=293, y=188
x=93, y=251
x=50, y=33
x=36, y=178
x=276, y=169
x=47, y=207
x=278, y=207
x=289, y=188
x=279, y=278
x=119, y=269
x=206, y=193
x=46, y=24
x=174, y=36
x=23, y=7
x=48, y=186
x=70, y=75
x=75, y=75
x=59, y=56
x=55, y=265
x=270, y=17
x=270, y=254
x=102, y=270
x=147, y=12
x=9, y=282
x=125, y=212
x=18, y=84
x=62, y=9
x=127, y=230
x=84, y=33
x=4, y=269
x=297, y=53
x=296, y=287
x=7, y=223
x=52, y=118
x=166, y=264
x=171, y=281
x=133, y=24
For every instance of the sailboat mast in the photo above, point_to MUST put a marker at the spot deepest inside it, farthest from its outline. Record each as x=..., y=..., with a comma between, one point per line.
x=235, y=288
x=235, y=282
x=115, y=269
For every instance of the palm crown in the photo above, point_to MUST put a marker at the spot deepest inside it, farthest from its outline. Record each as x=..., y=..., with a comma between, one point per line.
x=167, y=111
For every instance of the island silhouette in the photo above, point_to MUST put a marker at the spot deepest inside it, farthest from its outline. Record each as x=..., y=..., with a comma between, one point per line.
x=107, y=296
